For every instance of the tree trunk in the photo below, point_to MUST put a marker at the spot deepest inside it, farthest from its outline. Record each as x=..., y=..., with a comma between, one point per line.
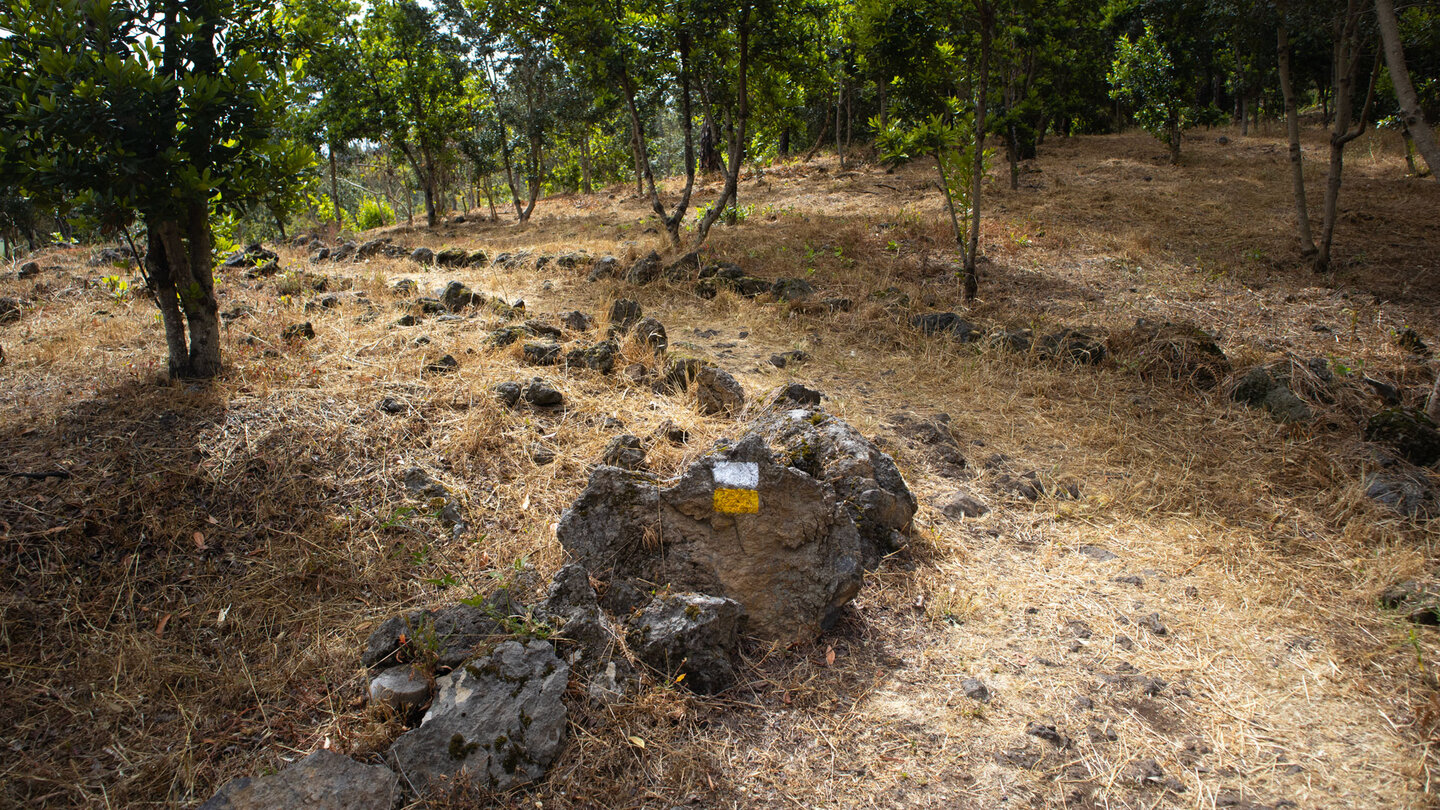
x=585, y=186
x=334, y=186
x=824, y=129
x=1411, y=115
x=839, y=147
x=785, y=143
x=1012, y=151
x=178, y=262
x=1409, y=150
x=1347, y=72
x=1432, y=408
x=1175, y=141
x=971, y=280
x=1292, y=126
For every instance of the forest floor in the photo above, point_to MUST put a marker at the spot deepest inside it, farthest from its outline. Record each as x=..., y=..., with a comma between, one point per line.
x=189, y=603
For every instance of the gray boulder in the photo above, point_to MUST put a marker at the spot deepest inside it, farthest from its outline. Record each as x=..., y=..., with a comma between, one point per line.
x=577, y=321
x=29, y=270
x=324, y=780
x=456, y=296
x=605, y=267
x=1074, y=345
x=586, y=636
x=541, y=394
x=690, y=635
x=452, y=257
x=624, y=314
x=422, y=255
x=652, y=333
x=1259, y=389
x=496, y=723
x=737, y=524
x=544, y=353
x=946, y=323
x=792, y=289
x=1410, y=495
x=716, y=391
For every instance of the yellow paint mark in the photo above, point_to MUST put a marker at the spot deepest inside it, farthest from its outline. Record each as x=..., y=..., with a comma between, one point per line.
x=737, y=501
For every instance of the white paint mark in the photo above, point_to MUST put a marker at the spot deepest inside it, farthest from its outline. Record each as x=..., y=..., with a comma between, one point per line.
x=737, y=474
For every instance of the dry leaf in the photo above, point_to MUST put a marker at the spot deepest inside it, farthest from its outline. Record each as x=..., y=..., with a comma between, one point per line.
x=637, y=742
x=199, y=539
x=160, y=628
x=829, y=656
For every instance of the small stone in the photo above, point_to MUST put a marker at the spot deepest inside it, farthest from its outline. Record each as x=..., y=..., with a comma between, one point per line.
x=508, y=393
x=1098, y=553
x=975, y=689
x=29, y=270
x=625, y=452
x=797, y=394
x=636, y=372
x=784, y=359
x=422, y=255
x=577, y=321
x=456, y=296
x=444, y=365
x=671, y=432
x=645, y=270
x=959, y=505
x=542, y=395
x=605, y=267
x=1048, y=733
x=1153, y=624
x=405, y=287
x=1146, y=772
x=1084, y=703
x=1124, y=642
x=1131, y=579
x=938, y=323
x=392, y=405
x=402, y=689
x=791, y=289
x=652, y=333
x=298, y=331
x=599, y=357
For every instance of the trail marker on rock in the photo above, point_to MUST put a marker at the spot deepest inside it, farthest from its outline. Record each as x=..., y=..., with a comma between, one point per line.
x=737, y=485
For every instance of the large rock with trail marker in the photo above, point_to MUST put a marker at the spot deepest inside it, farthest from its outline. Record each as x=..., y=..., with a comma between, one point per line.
x=497, y=722
x=745, y=523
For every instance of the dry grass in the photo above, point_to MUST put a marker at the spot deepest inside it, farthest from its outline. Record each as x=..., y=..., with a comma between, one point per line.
x=146, y=663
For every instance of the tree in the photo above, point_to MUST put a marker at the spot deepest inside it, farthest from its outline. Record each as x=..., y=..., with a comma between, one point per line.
x=1412, y=117
x=1292, y=128
x=414, y=85
x=1144, y=75
x=1349, y=40
x=161, y=109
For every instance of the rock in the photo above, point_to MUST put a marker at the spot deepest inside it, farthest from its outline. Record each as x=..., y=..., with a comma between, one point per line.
x=625, y=452
x=975, y=689
x=28, y=270
x=1020, y=341
x=716, y=392
x=540, y=394
x=605, y=267
x=866, y=480
x=636, y=372
x=1181, y=352
x=645, y=270
x=1409, y=432
x=571, y=607
x=452, y=257
x=1047, y=732
x=577, y=321
x=946, y=323
x=671, y=432
x=1408, y=495
x=624, y=314
x=652, y=333
x=456, y=296
x=958, y=505
x=796, y=394
x=1253, y=387
x=253, y=255
x=747, y=286
x=690, y=635
x=477, y=258
x=508, y=393
x=402, y=689
x=1146, y=773
x=1222, y=140
x=1152, y=623
x=406, y=287
x=323, y=780
x=736, y=524
x=444, y=365
x=320, y=255
x=1073, y=345
x=498, y=722
x=369, y=249
x=1259, y=389
x=298, y=331
x=449, y=634
x=791, y=289
x=541, y=354
x=723, y=270
x=421, y=483
x=1098, y=553
x=429, y=306
x=570, y=261
x=392, y=405
x=458, y=220
x=407, y=320
x=344, y=252
x=1282, y=404
x=1420, y=602
x=794, y=357
x=422, y=255
x=598, y=357
x=1409, y=340
x=684, y=268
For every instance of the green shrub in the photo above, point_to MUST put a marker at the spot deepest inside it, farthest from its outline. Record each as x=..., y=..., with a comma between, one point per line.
x=374, y=214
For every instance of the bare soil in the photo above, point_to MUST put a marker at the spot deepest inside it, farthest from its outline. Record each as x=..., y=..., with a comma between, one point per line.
x=188, y=602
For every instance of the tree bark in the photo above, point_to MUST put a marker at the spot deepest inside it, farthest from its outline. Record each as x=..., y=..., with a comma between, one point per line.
x=1432, y=408
x=1412, y=116
x=971, y=279
x=178, y=263
x=334, y=186
x=1292, y=126
x=737, y=137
